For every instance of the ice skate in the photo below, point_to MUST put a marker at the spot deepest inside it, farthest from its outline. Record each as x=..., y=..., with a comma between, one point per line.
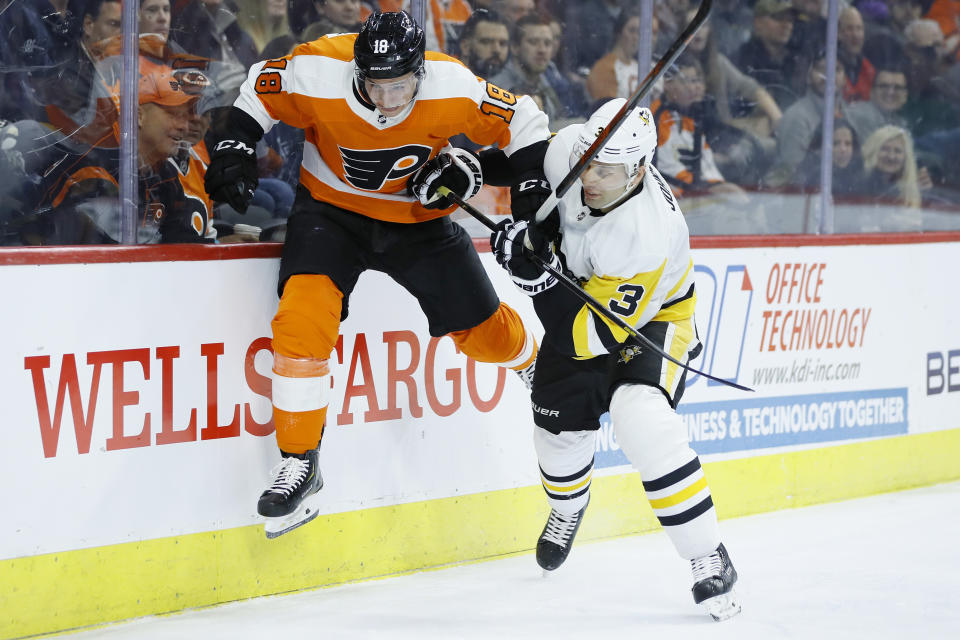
x=291, y=500
x=713, y=580
x=554, y=544
x=526, y=374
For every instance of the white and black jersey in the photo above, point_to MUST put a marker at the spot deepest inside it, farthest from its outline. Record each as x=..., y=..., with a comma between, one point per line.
x=635, y=260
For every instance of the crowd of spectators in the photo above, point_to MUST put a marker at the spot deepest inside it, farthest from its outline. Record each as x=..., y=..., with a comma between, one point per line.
x=740, y=113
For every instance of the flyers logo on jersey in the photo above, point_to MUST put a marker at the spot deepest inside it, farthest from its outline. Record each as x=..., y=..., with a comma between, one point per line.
x=371, y=169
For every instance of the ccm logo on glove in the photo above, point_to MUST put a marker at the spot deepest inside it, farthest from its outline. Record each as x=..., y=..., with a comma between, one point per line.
x=234, y=145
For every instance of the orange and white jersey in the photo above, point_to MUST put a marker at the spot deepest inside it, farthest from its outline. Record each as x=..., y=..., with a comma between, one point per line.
x=675, y=134
x=356, y=158
x=192, y=183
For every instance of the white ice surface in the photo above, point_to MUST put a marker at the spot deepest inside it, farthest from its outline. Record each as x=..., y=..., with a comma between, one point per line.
x=886, y=566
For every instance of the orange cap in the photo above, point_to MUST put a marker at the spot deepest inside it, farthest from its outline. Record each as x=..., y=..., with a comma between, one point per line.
x=162, y=87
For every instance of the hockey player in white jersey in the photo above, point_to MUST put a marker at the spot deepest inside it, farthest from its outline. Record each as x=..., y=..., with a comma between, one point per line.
x=623, y=237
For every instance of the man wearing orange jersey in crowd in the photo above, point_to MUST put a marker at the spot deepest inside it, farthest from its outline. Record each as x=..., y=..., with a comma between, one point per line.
x=377, y=110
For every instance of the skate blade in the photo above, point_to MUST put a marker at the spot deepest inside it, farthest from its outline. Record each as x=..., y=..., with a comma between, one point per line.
x=723, y=606
x=307, y=511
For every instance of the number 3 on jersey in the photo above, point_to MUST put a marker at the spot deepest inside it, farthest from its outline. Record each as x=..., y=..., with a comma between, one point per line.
x=632, y=293
x=500, y=104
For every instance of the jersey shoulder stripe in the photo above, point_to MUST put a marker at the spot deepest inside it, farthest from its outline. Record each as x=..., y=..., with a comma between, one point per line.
x=436, y=56
x=338, y=47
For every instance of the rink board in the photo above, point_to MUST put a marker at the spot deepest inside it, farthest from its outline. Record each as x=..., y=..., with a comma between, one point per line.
x=141, y=485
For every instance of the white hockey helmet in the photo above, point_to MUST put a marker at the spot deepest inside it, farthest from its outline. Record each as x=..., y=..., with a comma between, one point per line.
x=632, y=145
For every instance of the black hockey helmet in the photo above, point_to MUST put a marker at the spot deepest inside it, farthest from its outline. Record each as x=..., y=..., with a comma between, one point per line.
x=389, y=45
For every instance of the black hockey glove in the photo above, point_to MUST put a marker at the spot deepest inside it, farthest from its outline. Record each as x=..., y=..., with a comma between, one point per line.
x=527, y=194
x=513, y=243
x=232, y=173
x=456, y=169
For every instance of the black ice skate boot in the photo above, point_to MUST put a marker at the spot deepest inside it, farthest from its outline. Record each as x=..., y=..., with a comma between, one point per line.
x=290, y=500
x=713, y=580
x=554, y=544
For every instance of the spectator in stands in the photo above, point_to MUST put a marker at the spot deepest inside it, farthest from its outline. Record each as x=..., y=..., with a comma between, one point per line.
x=892, y=174
x=731, y=25
x=485, y=43
x=209, y=28
x=301, y=13
x=192, y=157
x=334, y=16
x=101, y=20
x=615, y=75
x=803, y=120
x=684, y=156
x=809, y=26
x=740, y=100
x=885, y=107
x=530, y=49
x=933, y=105
x=264, y=20
x=589, y=26
x=886, y=42
x=903, y=12
x=671, y=17
x=66, y=90
x=154, y=17
x=947, y=15
x=81, y=203
x=858, y=69
x=39, y=41
x=736, y=113
x=513, y=10
x=570, y=88
x=766, y=56
x=846, y=160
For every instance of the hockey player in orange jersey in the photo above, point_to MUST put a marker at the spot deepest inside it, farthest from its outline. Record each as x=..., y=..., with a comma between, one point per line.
x=377, y=110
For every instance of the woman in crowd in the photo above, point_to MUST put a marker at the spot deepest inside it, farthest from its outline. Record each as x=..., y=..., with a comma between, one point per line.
x=848, y=173
x=891, y=168
x=615, y=74
x=264, y=20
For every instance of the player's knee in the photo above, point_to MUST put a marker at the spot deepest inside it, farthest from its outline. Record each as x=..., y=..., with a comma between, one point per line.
x=566, y=452
x=307, y=321
x=648, y=430
x=501, y=339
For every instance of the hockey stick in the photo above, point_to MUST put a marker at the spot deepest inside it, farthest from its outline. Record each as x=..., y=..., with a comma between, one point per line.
x=658, y=70
x=577, y=290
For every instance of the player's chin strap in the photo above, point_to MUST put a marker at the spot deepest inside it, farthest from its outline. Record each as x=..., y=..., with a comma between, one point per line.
x=589, y=300
x=658, y=70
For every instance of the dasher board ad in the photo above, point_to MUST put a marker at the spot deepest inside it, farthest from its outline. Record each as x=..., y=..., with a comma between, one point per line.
x=839, y=343
x=138, y=395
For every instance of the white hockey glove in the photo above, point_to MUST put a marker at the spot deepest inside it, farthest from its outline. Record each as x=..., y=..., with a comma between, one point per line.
x=456, y=169
x=513, y=243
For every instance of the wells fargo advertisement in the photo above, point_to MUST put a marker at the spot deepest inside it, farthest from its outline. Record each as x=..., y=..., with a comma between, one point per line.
x=137, y=399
